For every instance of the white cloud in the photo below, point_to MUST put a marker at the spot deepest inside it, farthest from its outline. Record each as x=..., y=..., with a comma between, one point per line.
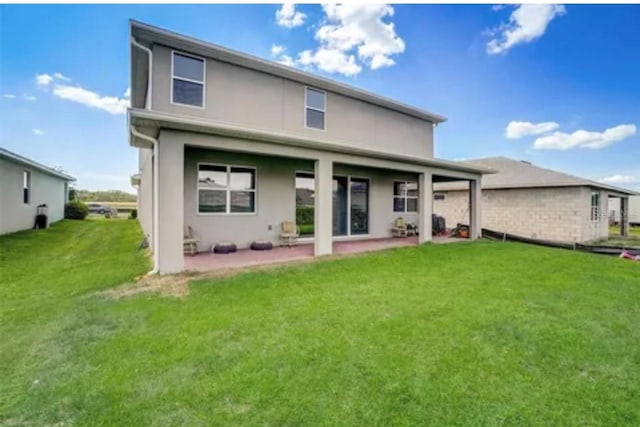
x=29, y=97
x=287, y=16
x=517, y=130
x=526, y=23
x=620, y=179
x=43, y=80
x=277, y=50
x=110, y=104
x=584, y=139
x=127, y=93
x=9, y=96
x=330, y=60
x=37, y=132
x=349, y=37
x=62, y=77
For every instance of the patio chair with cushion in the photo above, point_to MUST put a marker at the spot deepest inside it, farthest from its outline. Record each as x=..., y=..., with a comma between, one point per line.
x=399, y=228
x=289, y=233
x=190, y=243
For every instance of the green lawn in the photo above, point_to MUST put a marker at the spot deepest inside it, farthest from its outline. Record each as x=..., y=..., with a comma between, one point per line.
x=484, y=333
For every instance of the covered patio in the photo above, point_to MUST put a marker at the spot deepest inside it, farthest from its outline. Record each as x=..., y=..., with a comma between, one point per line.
x=205, y=261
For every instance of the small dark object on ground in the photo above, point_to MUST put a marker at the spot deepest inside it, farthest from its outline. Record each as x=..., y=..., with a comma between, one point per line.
x=224, y=248
x=261, y=245
x=133, y=214
x=461, y=231
x=145, y=243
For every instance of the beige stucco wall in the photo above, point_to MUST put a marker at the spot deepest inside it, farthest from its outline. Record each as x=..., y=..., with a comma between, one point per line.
x=276, y=197
x=45, y=188
x=241, y=96
x=560, y=214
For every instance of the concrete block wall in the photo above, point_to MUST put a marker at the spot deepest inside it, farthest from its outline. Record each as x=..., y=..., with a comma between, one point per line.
x=559, y=214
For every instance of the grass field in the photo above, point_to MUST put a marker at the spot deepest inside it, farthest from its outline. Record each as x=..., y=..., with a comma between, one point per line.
x=484, y=333
x=632, y=240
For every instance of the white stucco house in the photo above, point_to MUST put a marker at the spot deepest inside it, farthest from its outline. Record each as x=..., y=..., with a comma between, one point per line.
x=230, y=145
x=535, y=202
x=26, y=184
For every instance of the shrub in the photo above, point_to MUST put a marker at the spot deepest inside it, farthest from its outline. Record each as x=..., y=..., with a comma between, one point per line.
x=76, y=210
x=133, y=214
x=304, y=215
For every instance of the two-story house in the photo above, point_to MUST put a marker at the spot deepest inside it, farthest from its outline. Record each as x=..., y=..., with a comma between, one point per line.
x=231, y=145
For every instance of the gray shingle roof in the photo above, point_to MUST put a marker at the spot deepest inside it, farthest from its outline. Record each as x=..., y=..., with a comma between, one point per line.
x=520, y=174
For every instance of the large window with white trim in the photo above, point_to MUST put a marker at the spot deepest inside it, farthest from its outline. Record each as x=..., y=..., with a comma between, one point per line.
x=224, y=189
x=405, y=196
x=315, y=108
x=187, y=80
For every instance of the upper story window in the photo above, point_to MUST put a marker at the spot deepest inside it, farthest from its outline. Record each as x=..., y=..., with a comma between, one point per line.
x=26, y=187
x=315, y=108
x=225, y=189
x=405, y=196
x=187, y=80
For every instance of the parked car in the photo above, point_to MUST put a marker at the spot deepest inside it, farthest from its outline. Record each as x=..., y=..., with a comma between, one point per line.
x=98, y=208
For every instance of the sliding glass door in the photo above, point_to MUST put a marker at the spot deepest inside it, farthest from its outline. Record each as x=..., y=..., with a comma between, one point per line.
x=340, y=205
x=359, y=208
x=350, y=205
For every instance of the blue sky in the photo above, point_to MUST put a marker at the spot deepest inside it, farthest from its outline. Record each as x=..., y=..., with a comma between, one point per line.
x=568, y=77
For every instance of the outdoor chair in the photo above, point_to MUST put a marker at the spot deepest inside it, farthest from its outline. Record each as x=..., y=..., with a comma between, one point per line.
x=190, y=243
x=399, y=228
x=289, y=233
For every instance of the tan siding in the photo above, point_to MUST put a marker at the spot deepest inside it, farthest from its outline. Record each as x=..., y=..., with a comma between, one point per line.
x=241, y=96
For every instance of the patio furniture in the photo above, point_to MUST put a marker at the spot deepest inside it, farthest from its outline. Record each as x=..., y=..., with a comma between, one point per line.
x=261, y=245
x=399, y=228
x=412, y=229
x=190, y=243
x=224, y=248
x=289, y=233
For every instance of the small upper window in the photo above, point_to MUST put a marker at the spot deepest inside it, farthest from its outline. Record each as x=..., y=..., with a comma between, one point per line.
x=438, y=196
x=26, y=187
x=188, y=80
x=315, y=108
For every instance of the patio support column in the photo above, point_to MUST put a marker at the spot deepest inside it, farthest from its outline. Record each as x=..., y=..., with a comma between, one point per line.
x=323, y=228
x=475, y=207
x=624, y=216
x=170, y=206
x=425, y=199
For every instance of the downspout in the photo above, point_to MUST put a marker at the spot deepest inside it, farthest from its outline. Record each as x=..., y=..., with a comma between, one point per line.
x=155, y=209
x=149, y=79
x=155, y=151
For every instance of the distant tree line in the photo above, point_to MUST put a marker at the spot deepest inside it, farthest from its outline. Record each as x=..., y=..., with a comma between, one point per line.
x=101, y=196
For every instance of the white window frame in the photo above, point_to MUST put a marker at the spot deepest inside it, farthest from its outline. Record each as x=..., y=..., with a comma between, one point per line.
x=27, y=174
x=595, y=209
x=228, y=190
x=184, y=79
x=404, y=196
x=306, y=107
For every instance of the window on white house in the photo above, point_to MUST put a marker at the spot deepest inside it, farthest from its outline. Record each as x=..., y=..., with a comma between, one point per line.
x=405, y=196
x=438, y=196
x=595, y=206
x=315, y=108
x=26, y=187
x=187, y=80
x=226, y=189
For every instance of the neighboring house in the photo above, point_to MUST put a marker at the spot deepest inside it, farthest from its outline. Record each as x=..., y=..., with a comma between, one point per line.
x=225, y=139
x=633, y=214
x=533, y=202
x=24, y=185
